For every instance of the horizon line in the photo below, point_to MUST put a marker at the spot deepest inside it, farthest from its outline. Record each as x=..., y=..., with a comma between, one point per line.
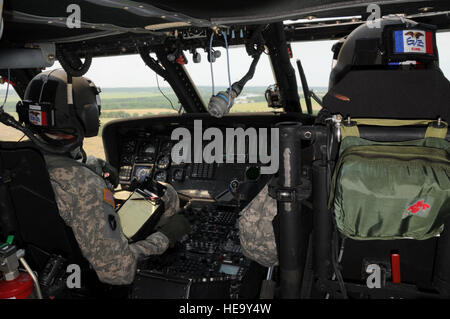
x=156, y=87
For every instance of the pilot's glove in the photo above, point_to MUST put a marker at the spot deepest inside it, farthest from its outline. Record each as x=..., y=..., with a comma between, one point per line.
x=110, y=174
x=103, y=169
x=175, y=228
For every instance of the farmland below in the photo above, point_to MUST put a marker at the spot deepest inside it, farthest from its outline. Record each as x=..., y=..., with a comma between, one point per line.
x=120, y=103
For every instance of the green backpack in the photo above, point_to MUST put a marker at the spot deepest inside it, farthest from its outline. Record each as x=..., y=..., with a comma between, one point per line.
x=391, y=190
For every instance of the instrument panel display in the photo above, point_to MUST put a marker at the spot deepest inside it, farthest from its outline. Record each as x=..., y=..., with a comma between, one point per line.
x=161, y=176
x=163, y=161
x=148, y=156
x=141, y=172
x=148, y=149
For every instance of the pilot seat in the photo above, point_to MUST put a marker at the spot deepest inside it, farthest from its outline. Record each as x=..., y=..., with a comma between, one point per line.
x=29, y=212
x=388, y=103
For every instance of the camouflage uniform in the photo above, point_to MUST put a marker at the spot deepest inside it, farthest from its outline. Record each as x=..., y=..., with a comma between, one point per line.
x=256, y=231
x=84, y=204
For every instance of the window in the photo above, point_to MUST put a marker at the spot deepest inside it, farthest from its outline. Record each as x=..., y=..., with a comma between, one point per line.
x=130, y=88
x=252, y=97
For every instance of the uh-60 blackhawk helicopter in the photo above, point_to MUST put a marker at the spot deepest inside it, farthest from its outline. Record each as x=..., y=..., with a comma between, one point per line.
x=351, y=201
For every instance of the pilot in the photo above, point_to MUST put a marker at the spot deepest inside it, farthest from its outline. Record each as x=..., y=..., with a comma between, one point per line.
x=83, y=192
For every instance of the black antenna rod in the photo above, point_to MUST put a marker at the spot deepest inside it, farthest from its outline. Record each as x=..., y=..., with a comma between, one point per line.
x=305, y=87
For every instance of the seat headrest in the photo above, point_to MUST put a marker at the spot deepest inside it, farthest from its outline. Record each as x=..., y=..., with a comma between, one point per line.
x=385, y=43
x=396, y=94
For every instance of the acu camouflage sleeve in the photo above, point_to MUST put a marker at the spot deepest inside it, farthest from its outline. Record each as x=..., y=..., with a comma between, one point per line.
x=256, y=230
x=80, y=196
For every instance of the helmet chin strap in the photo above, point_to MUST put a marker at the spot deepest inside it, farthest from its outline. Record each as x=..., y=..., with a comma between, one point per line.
x=57, y=146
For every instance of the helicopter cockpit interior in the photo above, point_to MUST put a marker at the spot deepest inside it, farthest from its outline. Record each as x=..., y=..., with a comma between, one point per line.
x=358, y=187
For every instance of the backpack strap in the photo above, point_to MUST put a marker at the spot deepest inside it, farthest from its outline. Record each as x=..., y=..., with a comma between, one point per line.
x=434, y=129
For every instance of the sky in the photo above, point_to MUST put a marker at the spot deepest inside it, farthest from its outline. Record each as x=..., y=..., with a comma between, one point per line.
x=130, y=70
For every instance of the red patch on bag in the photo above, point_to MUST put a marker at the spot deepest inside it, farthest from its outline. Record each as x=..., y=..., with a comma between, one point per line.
x=417, y=207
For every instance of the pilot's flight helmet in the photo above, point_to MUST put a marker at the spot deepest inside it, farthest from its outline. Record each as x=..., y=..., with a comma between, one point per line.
x=385, y=43
x=45, y=107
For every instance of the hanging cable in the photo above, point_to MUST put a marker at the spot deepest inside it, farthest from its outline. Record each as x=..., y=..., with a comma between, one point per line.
x=228, y=67
x=220, y=104
x=210, y=61
x=159, y=88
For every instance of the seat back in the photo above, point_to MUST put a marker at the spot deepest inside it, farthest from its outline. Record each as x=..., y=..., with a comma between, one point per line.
x=391, y=93
x=424, y=264
x=28, y=208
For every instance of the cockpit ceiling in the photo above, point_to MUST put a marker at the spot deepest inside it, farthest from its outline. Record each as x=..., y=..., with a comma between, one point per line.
x=45, y=20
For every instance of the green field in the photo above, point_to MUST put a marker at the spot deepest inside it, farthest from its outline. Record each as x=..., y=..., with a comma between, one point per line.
x=132, y=102
x=142, y=101
x=148, y=98
x=122, y=103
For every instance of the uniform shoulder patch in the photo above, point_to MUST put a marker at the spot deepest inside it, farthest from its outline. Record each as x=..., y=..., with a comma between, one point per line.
x=108, y=197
